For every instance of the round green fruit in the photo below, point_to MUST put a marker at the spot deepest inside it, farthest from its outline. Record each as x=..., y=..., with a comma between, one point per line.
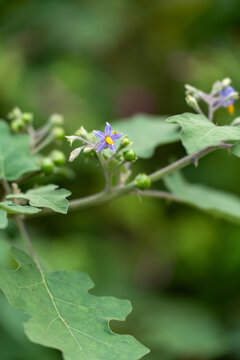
x=47, y=165
x=27, y=118
x=58, y=132
x=129, y=155
x=17, y=125
x=58, y=157
x=143, y=182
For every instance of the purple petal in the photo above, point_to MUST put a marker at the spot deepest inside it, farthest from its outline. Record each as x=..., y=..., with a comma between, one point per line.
x=101, y=145
x=116, y=136
x=108, y=129
x=112, y=147
x=99, y=134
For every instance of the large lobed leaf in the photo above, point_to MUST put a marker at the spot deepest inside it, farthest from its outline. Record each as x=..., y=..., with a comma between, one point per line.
x=198, y=132
x=220, y=203
x=46, y=196
x=15, y=158
x=147, y=132
x=64, y=316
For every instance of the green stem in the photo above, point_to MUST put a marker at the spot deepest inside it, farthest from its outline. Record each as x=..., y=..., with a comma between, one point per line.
x=45, y=142
x=118, y=167
x=27, y=239
x=179, y=164
x=118, y=191
x=105, y=171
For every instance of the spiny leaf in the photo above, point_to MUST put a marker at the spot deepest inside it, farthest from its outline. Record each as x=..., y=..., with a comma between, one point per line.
x=147, y=132
x=46, y=196
x=15, y=158
x=198, y=132
x=64, y=316
x=220, y=203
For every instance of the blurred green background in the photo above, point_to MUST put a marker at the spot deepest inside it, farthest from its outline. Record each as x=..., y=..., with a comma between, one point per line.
x=96, y=61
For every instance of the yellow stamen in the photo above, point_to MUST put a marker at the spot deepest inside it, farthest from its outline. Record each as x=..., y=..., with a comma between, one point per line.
x=231, y=109
x=108, y=140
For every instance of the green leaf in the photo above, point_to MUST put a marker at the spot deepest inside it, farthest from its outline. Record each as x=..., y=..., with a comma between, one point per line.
x=198, y=132
x=3, y=219
x=235, y=149
x=7, y=207
x=222, y=204
x=46, y=196
x=15, y=158
x=147, y=132
x=64, y=316
x=11, y=208
x=184, y=329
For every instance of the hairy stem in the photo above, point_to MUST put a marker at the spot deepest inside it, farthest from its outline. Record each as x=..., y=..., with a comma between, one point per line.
x=118, y=191
x=105, y=171
x=45, y=142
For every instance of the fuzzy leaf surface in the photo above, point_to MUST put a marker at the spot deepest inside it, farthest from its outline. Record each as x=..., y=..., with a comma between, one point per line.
x=15, y=158
x=198, y=132
x=46, y=196
x=63, y=315
x=147, y=132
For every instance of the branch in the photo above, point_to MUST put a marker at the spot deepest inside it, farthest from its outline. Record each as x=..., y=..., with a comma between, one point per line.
x=130, y=188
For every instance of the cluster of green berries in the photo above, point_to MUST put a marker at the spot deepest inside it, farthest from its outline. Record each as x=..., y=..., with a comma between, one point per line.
x=128, y=154
x=55, y=159
x=20, y=120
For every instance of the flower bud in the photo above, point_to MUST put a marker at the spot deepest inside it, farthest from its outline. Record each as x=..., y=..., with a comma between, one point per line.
x=191, y=101
x=143, y=182
x=58, y=157
x=82, y=132
x=226, y=82
x=58, y=132
x=47, y=165
x=217, y=86
x=15, y=114
x=236, y=122
x=129, y=155
x=56, y=119
x=125, y=142
x=27, y=118
x=17, y=125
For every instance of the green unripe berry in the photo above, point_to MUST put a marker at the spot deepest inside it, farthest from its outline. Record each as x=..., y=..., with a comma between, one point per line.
x=47, y=165
x=15, y=114
x=129, y=155
x=56, y=119
x=17, y=125
x=27, y=118
x=58, y=157
x=143, y=182
x=125, y=141
x=58, y=132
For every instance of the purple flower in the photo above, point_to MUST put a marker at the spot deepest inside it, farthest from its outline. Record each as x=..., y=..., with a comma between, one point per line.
x=225, y=92
x=230, y=103
x=107, y=138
